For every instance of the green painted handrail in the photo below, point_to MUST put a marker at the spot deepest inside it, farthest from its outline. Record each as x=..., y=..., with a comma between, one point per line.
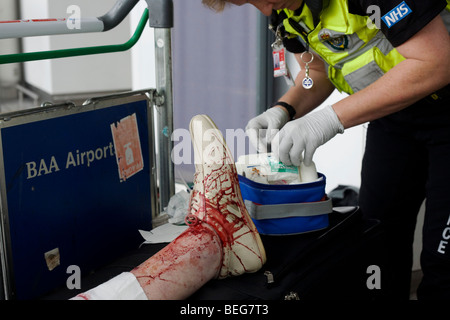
x=65, y=53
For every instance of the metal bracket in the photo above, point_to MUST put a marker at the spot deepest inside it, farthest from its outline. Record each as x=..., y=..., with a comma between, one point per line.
x=116, y=15
x=158, y=99
x=161, y=13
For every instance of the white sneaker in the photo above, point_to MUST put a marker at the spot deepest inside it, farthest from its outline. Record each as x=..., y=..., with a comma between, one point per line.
x=216, y=199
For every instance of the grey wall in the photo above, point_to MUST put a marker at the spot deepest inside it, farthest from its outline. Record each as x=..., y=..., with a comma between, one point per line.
x=217, y=66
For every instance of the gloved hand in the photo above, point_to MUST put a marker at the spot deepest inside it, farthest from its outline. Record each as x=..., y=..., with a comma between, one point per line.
x=261, y=129
x=305, y=135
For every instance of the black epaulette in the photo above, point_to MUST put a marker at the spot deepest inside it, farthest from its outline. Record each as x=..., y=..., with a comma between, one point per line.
x=316, y=8
x=291, y=43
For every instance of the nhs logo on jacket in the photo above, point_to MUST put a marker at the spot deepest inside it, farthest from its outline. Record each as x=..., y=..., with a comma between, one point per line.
x=396, y=14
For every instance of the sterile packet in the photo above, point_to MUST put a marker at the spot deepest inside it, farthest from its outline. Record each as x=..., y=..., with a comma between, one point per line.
x=264, y=168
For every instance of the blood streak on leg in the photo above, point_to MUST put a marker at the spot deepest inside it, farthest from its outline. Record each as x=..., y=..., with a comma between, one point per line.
x=182, y=267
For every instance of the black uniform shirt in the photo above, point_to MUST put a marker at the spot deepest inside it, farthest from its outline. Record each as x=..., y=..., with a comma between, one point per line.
x=399, y=19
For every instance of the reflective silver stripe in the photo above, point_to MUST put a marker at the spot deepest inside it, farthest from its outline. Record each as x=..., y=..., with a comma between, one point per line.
x=370, y=72
x=288, y=210
x=361, y=77
x=379, y=41
x=364, y=76
x=367, y=74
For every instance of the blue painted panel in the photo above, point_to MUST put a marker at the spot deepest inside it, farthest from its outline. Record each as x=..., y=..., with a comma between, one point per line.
x=58, y=199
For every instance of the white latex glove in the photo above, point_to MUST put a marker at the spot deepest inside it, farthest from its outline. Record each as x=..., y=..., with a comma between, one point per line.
x=305, y=135
x=261, y=129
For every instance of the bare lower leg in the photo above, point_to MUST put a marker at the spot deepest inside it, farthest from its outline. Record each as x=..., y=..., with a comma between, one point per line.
x=181, y=268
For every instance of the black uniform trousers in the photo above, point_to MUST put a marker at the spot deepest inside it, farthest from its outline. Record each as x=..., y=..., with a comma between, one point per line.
x=407, y=161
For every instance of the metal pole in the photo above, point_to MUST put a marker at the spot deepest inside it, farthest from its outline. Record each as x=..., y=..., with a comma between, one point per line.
x=46, y=27
x=264, y=95
x=64, y=53
x=161, y=18
x=164, y=115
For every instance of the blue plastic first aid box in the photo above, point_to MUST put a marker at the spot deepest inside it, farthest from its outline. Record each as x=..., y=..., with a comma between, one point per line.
x=287, y=209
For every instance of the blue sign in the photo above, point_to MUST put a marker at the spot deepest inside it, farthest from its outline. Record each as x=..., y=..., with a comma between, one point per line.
x=397, y=14
x=66, y=203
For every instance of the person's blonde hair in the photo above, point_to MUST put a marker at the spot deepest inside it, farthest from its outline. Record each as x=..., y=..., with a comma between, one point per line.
x=216, y=5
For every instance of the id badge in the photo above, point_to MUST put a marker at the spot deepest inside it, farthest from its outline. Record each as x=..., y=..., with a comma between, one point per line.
x=279, y=62
x=280, y=66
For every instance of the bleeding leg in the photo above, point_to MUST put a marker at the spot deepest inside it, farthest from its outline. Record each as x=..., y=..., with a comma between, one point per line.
x=185, y=265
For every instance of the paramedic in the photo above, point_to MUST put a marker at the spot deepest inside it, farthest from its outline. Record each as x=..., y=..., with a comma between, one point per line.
x=393, y=59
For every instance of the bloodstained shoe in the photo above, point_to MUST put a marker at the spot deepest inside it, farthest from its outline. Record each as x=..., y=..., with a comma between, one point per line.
x=216, y=199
